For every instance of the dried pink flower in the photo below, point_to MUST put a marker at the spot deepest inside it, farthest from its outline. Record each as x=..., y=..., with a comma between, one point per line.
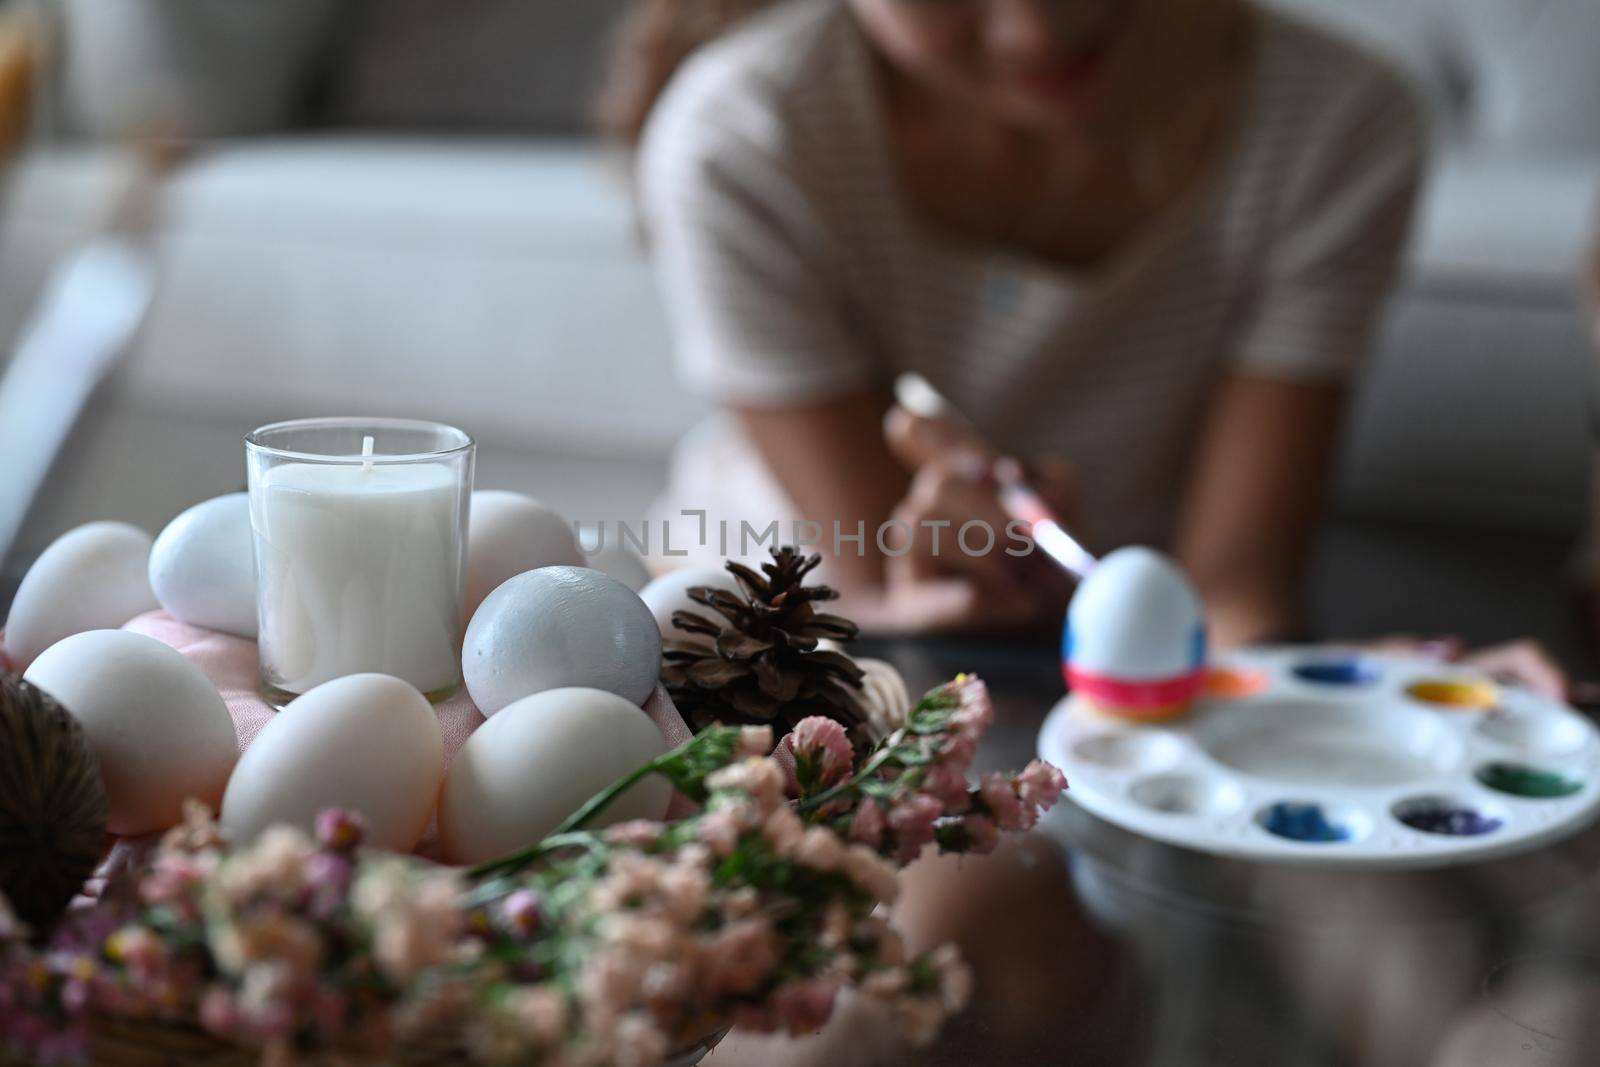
x=762, y=779
x=520, y=914
x=955, y=977
x=974, y=712
x=1041, y=784
x=218, y=1013
x=610, y=980
x=920, y=1018
x=542, y=1013
x=820, y=849
x=783, y=830
x=755, y=1020
x=719, y=831
x=912, y=821
x=821, y=744
x=174, y=879
x=740, y=956
x=948, y=784
x=635, y=833
x=414, y=917
x=959, y=750
x=884, y=984
x=983, y=836
x=341, y=829
x=836, y=924
x=871, y=874
x=755, y=741
x=1000, y=797
x=641, y=934
x=636, y=1042
x=631, y=876
x=868, y=823
x=805, y=1007
x=684, y=887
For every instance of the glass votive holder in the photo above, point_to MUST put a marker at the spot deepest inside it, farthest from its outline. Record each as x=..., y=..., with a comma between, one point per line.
x=360, y=548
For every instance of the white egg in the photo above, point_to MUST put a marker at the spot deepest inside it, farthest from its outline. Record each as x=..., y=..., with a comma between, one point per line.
x=557, y=627
x=202, y=568
x=368, y=743
x=1136, y=618
x=158, y=727
x=509, y=534
x=528, y=768
x=615, y=557
x=95, y=577
x=670, y=593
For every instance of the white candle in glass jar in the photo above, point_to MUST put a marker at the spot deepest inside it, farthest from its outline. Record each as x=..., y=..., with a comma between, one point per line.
x=359, y=569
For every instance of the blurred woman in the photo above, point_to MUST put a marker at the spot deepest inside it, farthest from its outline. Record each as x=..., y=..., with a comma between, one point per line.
x=1141, y=243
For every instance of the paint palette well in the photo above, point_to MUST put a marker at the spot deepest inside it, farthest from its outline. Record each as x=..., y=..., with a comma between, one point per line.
x=1339, y=758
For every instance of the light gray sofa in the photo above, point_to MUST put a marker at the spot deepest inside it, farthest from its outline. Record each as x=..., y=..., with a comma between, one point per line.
x=410, y=254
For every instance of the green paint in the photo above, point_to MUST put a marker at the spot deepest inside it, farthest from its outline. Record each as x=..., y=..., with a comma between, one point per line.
x=1520, y=781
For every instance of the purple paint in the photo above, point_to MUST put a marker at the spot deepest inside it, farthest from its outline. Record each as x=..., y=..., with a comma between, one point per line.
x=1450, y=821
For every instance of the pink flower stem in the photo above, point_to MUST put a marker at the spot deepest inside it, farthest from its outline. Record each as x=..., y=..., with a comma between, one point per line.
x=526, y=857
x=872, y=766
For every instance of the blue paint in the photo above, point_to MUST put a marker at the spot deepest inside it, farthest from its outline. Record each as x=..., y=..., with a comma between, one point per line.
x=1303, y=822
x=1339, y=672
x=1197, y=648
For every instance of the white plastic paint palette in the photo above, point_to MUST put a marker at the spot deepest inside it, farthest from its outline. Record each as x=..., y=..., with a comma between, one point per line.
x=1319, y=756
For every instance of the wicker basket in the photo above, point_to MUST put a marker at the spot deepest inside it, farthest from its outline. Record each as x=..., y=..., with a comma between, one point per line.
x=147, y=1043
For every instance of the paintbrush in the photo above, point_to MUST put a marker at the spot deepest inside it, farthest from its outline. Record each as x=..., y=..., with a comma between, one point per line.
x=1018, y=498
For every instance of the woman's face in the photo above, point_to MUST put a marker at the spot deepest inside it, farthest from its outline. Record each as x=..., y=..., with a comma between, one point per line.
x=1032, y=62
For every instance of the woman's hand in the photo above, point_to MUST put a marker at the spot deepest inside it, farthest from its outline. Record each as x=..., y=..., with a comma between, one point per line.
x=938, y=579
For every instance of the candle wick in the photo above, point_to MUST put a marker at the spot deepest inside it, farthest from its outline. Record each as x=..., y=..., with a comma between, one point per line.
x=366, y=453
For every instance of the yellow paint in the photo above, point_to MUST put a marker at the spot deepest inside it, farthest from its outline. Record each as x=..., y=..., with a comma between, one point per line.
x=1476, y=696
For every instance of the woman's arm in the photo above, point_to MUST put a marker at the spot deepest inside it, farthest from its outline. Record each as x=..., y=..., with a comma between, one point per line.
x=1253, y=500
x=832, y=462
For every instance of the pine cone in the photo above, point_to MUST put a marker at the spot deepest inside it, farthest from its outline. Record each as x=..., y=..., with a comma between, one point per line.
x=763, y=664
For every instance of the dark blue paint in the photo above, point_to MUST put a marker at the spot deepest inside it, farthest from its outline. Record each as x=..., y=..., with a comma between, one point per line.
x=1303, y=822
x=1351, y=671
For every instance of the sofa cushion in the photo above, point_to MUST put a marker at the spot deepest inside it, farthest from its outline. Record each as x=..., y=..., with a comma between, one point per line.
x=500, y=284
x=1536, y=73
x=1494, y=222
x=1510, y=75
x=483, y=64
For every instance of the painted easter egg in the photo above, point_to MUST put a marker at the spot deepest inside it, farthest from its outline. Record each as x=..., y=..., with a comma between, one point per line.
x=368, y=743
x=511, y=533
x=157, y=725
x=531, y=766
x=1135, y=642
x=556, y=627
x=95, y=577
x=670, y=593
x=202, y=567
